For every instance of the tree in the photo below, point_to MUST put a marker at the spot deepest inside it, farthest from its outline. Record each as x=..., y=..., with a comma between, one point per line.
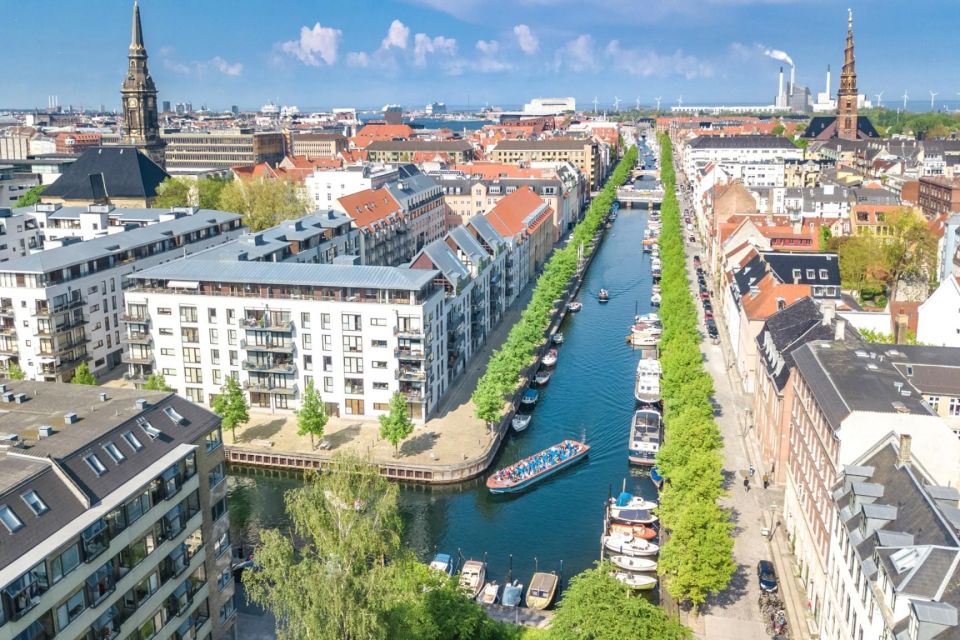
x=156, y=382
x=14, y=372
x=83, y=375
x=31, y=197
x=312, y=416
x=231, y=406
x=209, y=190
x=825, y=235
x=778, y=129
x=263, y=203
x=396, y=425
x=595, y=606
x=173, y=192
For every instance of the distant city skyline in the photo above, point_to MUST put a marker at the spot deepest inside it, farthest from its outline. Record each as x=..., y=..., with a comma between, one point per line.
x=499, y=53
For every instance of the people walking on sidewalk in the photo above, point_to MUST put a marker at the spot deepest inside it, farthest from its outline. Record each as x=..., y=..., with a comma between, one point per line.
x=766, y=481
x=746, y=484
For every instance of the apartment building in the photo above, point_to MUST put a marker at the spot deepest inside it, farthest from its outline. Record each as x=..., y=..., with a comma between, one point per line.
x=522, y=215
x=19, y=234
x=361, y=333
x=753, y=150
x=62, y=306
x=421, y=202
x=585, y=154
x=844, y=399
x=939, y=196
x=325, y=188
x=200, y=151
x=894, y=552
x=60, y=224
x=318, y=145
x=113, y=516
x=420, y=150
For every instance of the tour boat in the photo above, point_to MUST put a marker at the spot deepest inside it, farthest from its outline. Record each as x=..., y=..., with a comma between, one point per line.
x=542, y=378
x=471, y=577
x=630, y=546
x=530, y=397
x=442, y=562
x=550, y=359
x=535, y=468
x=512, y=592
x=603, y=296
x=646, y=433
x=629, y=501
x=520, y=421
x=642, y=531
x=557, y=338
x=655, y=299
x=629, y=563
x=574, y=307
x=543, y=588
x=636, y=581
x=490, y=593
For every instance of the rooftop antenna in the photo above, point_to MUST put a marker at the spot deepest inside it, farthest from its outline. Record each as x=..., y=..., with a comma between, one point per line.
x=905, y=98
x=595, y=101
x=616, y=103
x=933, y=99
x=879, y=98
x=658, y=103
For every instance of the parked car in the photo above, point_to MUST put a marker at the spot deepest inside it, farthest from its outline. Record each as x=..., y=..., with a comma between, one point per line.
x=705, y=295
x=712, y=329
x=707, y=305
x=767, y=576
x=696, y=261
x=703, y=287
x=700, y=271
x=708, y=315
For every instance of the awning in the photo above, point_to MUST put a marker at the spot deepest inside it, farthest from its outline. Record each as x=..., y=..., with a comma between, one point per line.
x=183, y=284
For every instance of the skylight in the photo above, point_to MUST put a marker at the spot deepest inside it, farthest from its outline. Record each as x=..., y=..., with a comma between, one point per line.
x=9, y=519
x=114, y=452
x=175, y=417
x=94, y=463
x=131, y=440
x=34, y=502
x=149, y=429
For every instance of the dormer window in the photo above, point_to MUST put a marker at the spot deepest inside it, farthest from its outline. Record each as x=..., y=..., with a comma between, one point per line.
x=32, y=498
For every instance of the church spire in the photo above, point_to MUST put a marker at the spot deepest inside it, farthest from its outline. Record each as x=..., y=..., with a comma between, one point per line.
x=140, y=122
x=136, y=33
x=847, y=95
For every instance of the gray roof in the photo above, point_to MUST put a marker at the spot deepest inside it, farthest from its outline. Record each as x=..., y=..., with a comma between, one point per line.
x=468, y=244
x=121, y=214
x=939, y=613
x=440, y=146
x=80, y=252
x=264, y=243
x=414, y=183
x=290, y=274
x=444, y=259
x=742, y=142
x=485, y=230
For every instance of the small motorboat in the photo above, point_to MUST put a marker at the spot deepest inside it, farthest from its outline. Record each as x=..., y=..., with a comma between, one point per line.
x=550, y=359
x=512, y=592
x=529, y=398
x=636, y=581
x=471, y=577
x=655, y=288
x=642, y=531
x=542, y=378
x=603, y=296
x=629, y=501
x=655, y=299
x=557, y=338
x=490, y=593
x=574, y=307
x=543, y=588
x=520, y=421
x=630, y=563
x=629, y=515
x=647, y=248
x=442, y=562
x=649, y=318
x=630, y=546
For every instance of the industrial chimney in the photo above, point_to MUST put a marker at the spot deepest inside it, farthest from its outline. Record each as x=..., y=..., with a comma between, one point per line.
x=780, y=100
x=827, y=90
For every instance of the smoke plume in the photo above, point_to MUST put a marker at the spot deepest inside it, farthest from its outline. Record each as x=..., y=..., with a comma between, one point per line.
x=776, y=54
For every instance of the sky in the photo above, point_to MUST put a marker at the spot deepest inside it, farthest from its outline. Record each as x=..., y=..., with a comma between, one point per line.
x=362, y=53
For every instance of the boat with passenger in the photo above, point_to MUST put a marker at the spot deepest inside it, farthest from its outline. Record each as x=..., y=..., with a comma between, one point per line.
x=535, y=468
x=542, y=378
x=642, y=531
x=603, y=296
x=646, y=434
x=574, y=307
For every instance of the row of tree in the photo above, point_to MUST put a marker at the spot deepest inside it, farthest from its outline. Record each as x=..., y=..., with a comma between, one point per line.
x=262, y=202
x=696, y=557
x=528, y=334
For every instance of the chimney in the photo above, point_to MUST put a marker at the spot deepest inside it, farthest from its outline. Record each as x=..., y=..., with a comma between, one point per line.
x=900, y=328
x=69, y=418
x=103, y=397
x=828, y=82
x=840, y=330
x=903, y=454
x=141, y=404
x=828, y=312
x=780, y=100
x=793, y=78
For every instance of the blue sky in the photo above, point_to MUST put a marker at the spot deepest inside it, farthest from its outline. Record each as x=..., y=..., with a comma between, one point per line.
x=362, y=53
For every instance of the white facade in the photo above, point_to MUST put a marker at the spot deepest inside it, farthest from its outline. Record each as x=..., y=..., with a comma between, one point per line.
x=757, y=174
x=938, y=318
x=325, y=188
x=700, y=152
x=549, y=106
x=19, y=235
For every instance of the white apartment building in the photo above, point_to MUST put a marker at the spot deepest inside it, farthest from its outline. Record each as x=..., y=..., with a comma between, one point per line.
x=325, y=188
x=752, y=150
x=62, y=306
x=113, y=516
x=58, y=222
x=938, y=318
x=361, y=333
x=757, y=174
x=19, y=235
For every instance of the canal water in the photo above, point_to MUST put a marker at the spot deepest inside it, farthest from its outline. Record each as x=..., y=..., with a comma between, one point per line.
x=555, y=525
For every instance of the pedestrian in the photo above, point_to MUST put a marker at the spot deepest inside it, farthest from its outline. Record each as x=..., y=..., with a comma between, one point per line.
x=766, y=481
x=746, y=484
x=752, y=471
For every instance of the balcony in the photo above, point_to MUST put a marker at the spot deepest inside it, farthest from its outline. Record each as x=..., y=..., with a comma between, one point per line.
x=262, y=387
x=409, y=354
x=285, y=368
x=8, y=330
x=136, y=378
x=454, y=320
x=45, y=310
x=407, y=332
x=9, y=349
x=135, y=318
x=73, y=343
x=414, y=375
x=262, y=324
x=136, y=357
x=71, y=323
x=283, y=346
x=412, y=395
x=136, y=337
x=6, y=311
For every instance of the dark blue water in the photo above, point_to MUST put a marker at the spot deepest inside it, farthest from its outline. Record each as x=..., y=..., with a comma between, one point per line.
x=590, y=396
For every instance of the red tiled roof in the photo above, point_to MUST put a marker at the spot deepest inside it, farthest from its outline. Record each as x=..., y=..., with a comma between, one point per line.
x=370, y=208
x=508, y=216
x=764, y=302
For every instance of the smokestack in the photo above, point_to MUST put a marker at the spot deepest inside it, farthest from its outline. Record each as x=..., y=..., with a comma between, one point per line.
x=904, y=450
x=793, y=77
x=828, y=80
x=780, y=89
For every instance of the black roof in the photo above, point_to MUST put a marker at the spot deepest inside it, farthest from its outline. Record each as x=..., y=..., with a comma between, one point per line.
x=784, y=265
x=127, y=173
x=819, y=125
x=738, y=142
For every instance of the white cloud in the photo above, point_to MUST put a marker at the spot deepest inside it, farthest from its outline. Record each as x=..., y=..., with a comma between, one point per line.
x=488, y=47
x=358, y=59
x=577, y=54
x=424, y=45
x=488, y=61
x=315, y=45
x=226, y=68
x=199, y=68
x=650, y=63
x=528, y=42
x=397, y=36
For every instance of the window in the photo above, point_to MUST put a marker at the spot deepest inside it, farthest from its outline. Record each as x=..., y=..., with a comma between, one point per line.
x=824, y=275
x=233, y=358
x=66, y=562
x=353, y=406
x=32, y=498
x=327, y=363
x=378, y=322
x=132, y=440
x=307, y=341
x=231, y=337
x=327, y=384
x=164, y=311
x=216, y=476
x=224, y=579
x=222, y=544
x=796, y=274
x=166, y=331
x=214, y=356
x=350, y=322
x=381, y=406
x=327, y=342
x=9, y=519
x=381, y=386
x=191, y=355
x=219, y=509
x=189, y=335
x=378, y=344
x=353, y=365
x=217, y=377
x=167, y=371
x=811, y=274
x=304, y=320
x=352, y=344
x=953, y=407
x=114, y=452
x=214, y=336
x=70, y=609
x=378, y=364
x=308, y=363
x=214, y=439
x=324, y=320
x=188, y=314
x=167, y=351
x=195, y=395
x=194, y=375
x=94, y=463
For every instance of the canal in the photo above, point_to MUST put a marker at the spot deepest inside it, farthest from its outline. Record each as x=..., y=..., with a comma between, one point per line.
x=556, y=524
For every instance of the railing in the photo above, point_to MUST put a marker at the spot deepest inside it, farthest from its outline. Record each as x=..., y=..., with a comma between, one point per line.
x=136, y=337
x=282, y=347
x=6, y=310
x=136, y=377
x=129, y=358
x=8, y=330
x=9, y=349
x=260, y=387
x=410, y=374
x=139, y=318
x=405, y=300
x=408, y=354
x=260, y=324
x=408, y=332
x=285, y=368
x=413, y=396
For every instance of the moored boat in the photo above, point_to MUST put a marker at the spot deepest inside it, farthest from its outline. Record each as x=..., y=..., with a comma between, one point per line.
x=603, y=296
x=647, y=390
x=520, y=421
x=631, y=563
x=543, y=588
x=646, y=434
x=630, y=546
x=574, y=307
x=629, y=515
x=512, y=592
x=550, y=359
x=471, y=577
x=490, y=593
x=642, y=531
x=442, y=562
x=532, y=469
x=629, y=501
x=636, y=581
x=655, y=299
x=530, y=397
x=557, y=338
x=542, y=378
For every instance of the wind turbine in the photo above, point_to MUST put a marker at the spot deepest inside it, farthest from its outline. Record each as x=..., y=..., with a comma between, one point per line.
x=595, y=104
x=905, y=98
x=616, y=103
x=933, y=98
x=879, y=97
x=658, y=103
x=679, y=102
x=638, y=103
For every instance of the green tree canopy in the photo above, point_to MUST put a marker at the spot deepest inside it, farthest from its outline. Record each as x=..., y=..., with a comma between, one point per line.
x=156, y=382
x=31, y=197
x=173, y=192
x=312, y=415
x=209, y=190
x=231, y=405
x=14, y=372
x=396, y=425
x=83, y=375
x=263, y=203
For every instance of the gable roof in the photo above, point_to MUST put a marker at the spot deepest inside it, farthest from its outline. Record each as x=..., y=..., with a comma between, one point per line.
x=522, y=210
x=370, y=208
x=127, y=173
